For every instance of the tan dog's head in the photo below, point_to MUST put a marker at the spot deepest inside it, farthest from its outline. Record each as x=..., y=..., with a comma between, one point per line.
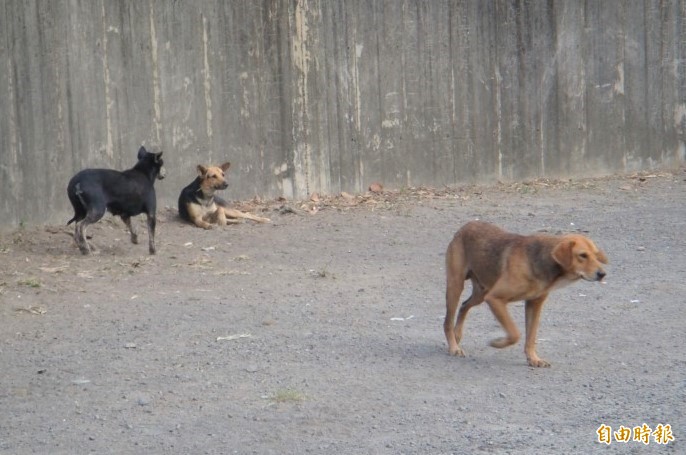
x=579, y=256
x=212, y=178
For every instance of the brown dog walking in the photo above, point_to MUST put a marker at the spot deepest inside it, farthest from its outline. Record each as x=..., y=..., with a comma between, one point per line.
x=505, y=267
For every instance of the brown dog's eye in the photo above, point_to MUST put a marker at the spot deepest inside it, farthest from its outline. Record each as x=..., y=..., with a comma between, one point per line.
x=583, y=256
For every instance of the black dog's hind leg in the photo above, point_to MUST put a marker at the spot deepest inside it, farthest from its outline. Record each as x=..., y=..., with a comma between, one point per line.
x=151, y=232
x=132, y=229
x=94, y=214
x=80, y=237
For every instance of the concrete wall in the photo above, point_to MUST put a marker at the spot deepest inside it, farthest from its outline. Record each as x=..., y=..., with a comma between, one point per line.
x=330, y=95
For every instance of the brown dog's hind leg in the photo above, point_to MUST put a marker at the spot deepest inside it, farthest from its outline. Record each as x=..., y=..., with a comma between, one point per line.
x=452, y=299
x=455, y=277
x=532, y=311
x=475, y=299
x=233, y=213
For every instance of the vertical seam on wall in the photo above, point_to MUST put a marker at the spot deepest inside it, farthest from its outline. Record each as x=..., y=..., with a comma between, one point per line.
x=155, y=76
x=207, y=85
x=108, y=96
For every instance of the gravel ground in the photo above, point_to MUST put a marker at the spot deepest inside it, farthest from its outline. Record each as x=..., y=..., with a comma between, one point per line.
x=322, y=331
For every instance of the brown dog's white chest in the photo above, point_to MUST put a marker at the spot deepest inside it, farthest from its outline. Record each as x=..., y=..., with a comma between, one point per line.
x=207, y=207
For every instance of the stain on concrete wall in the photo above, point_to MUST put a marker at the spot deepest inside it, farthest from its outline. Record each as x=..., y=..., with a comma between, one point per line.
x=329, y=96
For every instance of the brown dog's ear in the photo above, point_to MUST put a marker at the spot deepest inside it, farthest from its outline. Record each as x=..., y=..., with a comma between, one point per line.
x=600, y=255
x=202, y=170
x=225, y=166
x=562, y=253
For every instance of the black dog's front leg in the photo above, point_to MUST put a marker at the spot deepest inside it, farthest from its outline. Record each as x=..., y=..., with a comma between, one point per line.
x=151, y=232
x=132, y=229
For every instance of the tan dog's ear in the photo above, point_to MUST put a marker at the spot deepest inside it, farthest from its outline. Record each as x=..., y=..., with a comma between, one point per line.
x=562, y=253
x=600, y=255
x=225, y=166
x=202, y=170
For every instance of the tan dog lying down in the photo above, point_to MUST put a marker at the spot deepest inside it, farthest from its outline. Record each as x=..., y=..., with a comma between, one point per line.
x=199, y=205
x=506, y=267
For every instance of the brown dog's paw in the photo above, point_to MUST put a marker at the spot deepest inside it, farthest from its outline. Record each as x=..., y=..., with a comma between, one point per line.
x=502, y=342
x=457, y=352
x=538, y=363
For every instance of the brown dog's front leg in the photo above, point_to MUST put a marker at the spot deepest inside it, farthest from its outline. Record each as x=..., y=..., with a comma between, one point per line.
x=533, y=316
x=203, y=224
x=221, y=216
x=499, y=309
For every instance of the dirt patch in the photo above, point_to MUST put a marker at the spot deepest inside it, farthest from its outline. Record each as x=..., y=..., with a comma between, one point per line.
x=322, y=332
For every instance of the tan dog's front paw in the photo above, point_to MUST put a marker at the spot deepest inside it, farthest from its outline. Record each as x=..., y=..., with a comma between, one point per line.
x=457, y=351
x=538, y=363
x=503, y=342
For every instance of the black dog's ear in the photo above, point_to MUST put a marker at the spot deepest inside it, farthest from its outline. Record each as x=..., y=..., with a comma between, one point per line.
x=141, y=152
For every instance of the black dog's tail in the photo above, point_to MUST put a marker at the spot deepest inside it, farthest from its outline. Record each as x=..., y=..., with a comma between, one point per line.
x=76, y=197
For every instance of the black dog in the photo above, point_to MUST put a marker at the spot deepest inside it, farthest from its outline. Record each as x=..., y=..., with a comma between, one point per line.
x=129, y=193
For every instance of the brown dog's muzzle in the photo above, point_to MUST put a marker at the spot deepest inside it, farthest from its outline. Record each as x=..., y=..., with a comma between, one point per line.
x=597, y=276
